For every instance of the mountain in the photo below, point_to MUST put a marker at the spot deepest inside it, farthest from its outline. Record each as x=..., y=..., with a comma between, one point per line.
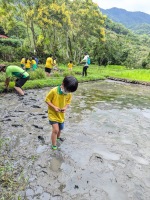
x=141, y=29
x=135, y=21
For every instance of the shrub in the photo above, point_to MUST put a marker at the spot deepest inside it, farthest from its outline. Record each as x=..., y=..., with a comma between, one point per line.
x=7, y=53
x=68, y=73
x=10, y=42
x=56, y=74
x=37, y=74
x=2, y=77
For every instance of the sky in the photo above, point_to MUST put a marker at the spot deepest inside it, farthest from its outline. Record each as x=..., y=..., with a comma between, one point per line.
x=129, y=5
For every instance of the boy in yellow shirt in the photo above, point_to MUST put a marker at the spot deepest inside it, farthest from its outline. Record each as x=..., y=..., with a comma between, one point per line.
x=49, y=65
x=22, y=63
x=58, y=100
x=27, y=64
x=70, y=65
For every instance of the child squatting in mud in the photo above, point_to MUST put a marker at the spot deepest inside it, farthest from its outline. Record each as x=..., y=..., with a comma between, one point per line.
x=58, y=100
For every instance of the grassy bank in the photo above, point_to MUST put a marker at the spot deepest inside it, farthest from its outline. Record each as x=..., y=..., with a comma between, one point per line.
x=39, y=80
x=122, y=72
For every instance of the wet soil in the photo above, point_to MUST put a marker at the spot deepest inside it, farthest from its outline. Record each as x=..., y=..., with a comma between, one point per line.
x=106, y=152
x=129, y=81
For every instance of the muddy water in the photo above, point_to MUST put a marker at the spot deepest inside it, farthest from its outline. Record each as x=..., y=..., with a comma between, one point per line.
x=106, y=154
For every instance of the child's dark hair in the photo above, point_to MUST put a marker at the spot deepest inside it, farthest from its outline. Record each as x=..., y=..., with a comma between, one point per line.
x=2, y=67
x=70, y=61
x=26, y=60
x=70, y=83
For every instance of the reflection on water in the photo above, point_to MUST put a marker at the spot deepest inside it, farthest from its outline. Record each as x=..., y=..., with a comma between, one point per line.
x=110, y=127
x=110, y=95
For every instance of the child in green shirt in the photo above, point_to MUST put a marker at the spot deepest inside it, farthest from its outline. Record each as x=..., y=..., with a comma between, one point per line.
x=21, y=75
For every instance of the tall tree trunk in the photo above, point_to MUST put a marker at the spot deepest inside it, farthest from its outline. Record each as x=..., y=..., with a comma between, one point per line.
x=70, y=47
x=28, y=35
x=67, y=48
x=33, y=36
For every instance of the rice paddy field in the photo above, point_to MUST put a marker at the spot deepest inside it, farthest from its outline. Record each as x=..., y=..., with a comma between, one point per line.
x=38, y=78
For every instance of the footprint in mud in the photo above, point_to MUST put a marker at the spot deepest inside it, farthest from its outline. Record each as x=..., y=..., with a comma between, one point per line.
x=41, y=139
x=37, y=126
x=35, y=106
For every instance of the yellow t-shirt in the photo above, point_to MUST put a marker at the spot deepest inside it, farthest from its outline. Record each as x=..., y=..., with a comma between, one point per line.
x=70, y=65
x=33, y=62
x=28, y=64
x=60, y=100
x=22, y=61
x=49, y=63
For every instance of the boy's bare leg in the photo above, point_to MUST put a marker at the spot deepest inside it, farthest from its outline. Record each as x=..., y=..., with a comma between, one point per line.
x=55, y=131
x=48, y=74
x=58, y=135
x=19, y=90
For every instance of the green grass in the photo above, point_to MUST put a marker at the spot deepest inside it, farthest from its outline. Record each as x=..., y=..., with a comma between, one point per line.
x=38, y=78
x=131, y=74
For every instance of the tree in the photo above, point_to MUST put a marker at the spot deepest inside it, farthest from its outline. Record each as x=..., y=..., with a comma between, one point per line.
x=67, y=28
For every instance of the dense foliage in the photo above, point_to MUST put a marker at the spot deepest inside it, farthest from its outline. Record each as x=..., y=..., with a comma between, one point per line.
x=140, y=29
x=64, y=28
x=67, y=29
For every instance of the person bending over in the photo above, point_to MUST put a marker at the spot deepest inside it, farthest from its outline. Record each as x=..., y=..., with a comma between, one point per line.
x=12, y=70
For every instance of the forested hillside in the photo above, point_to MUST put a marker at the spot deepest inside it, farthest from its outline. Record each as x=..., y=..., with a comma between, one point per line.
x=67, y=29
x=141, y=29
x=125, y=17
x=138, y=22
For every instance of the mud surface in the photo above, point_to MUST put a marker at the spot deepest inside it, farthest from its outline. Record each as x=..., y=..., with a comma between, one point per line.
x=106, y=154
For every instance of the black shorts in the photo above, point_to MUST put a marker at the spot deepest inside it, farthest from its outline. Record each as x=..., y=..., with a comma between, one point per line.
x=48, y=70
x=85, y=67
x=21, y=81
